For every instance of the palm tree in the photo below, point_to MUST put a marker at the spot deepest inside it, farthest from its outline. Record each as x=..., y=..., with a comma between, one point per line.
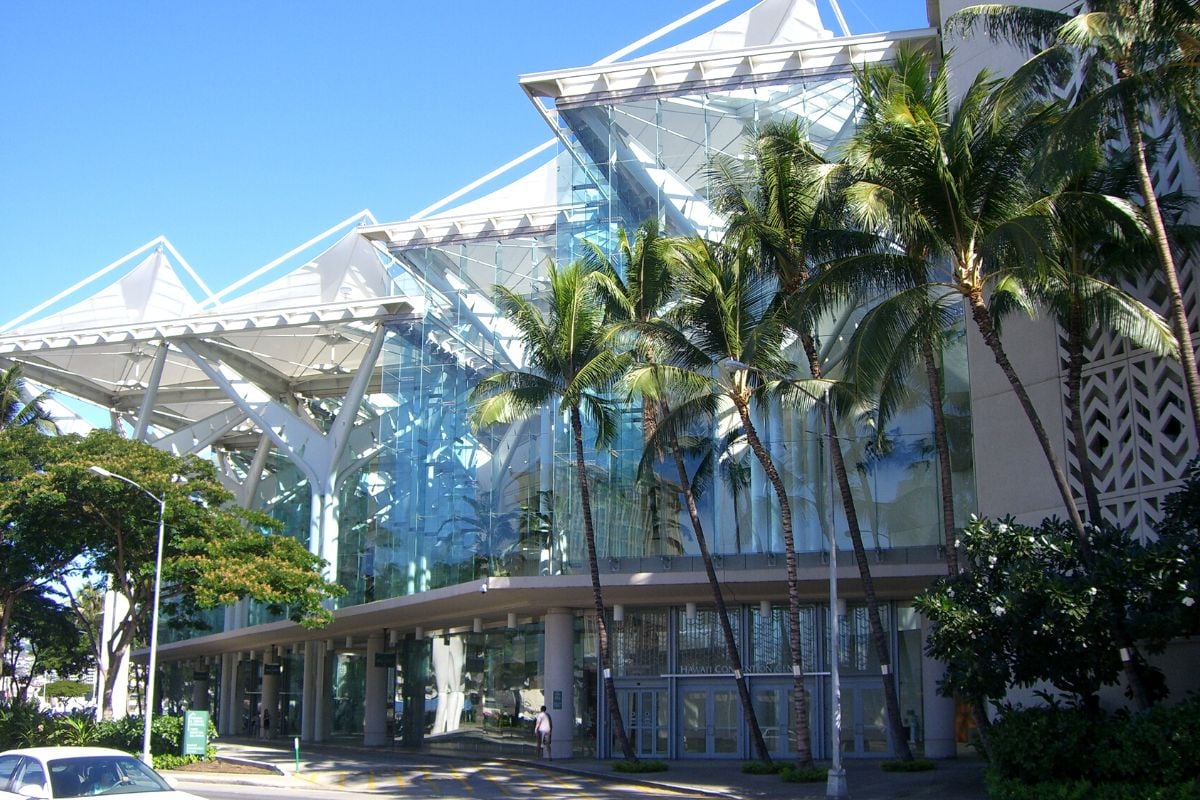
x=17, y=408
x=778, y=209
x=639, y=292
x=1101, y=240
x=569, y=360
x=721, y=344
x=962, y=177
x=1137, y=59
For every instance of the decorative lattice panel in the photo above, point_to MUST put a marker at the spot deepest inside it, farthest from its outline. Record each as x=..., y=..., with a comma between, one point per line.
x=1134, y=403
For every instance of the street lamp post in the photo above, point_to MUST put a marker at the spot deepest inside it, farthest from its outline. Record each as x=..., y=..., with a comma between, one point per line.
x=152, y=666
x=835, y=785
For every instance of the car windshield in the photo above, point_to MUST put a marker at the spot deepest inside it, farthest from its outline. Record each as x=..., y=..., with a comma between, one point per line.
x=85, y=776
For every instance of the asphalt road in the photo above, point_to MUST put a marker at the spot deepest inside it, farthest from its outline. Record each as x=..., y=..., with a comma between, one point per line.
x=448, y=782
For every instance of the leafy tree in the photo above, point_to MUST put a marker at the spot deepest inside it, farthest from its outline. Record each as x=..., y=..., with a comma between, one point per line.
x=1137, y=60
x=29, y=557
x=43, y=639
x=18, y=408
x=569, y=360
x=214, y=552
x=1027, y=611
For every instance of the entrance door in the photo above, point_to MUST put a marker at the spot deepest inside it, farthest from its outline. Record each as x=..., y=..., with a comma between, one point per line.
x=709, y=722
x=773, y=708
x=645, y=715
x=864, y=719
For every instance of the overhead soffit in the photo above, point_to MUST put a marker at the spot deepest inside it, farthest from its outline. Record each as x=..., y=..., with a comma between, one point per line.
x=675, y=74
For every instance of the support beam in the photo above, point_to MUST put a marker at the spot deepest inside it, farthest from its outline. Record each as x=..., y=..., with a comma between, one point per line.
x=148, y=399
x=376, y=694
x=200, y=434
x=559, y=648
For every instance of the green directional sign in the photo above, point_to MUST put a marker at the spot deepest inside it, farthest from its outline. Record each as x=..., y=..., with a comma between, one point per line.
x=195, y=733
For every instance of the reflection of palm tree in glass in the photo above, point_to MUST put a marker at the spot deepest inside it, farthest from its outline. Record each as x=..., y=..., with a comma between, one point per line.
x=737, y=476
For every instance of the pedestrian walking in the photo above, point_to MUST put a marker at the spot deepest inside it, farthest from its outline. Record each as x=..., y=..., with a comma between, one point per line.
x=543, y=726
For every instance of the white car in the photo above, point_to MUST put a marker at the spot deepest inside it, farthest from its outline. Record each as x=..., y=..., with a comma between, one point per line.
x=54, y=772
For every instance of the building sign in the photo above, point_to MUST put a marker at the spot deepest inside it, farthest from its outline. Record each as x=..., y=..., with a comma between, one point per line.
x=272, y=669
x=558, y=699
x=195, y=733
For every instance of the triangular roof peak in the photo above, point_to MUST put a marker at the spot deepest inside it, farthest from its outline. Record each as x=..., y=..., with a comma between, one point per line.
x=766, y=23
x=352, y=269
x=149, y=292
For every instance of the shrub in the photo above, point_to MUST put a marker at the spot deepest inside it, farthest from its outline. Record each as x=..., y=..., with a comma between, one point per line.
x=640, y=766
x=76, y=730
x=762, y=767
x=913, y=765
x=1068, y=746
x=793, y=774
x=1084, y=790
x=23, y=725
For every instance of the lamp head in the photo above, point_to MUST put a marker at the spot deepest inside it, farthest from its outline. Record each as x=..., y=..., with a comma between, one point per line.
x=101, y=471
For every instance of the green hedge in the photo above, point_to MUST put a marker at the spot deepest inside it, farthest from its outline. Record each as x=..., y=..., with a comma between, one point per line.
x=1071, y=747
x=24, y=725
x=1085, y=790
x=639, y=766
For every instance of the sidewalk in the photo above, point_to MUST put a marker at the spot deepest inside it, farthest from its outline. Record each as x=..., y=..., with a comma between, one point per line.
x=364, y=768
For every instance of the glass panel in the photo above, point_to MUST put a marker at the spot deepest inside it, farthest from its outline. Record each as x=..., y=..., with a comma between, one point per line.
x=856, y=649
x=695, y=722
x=725, y=722
x=661, y=723
x=873, y=724
x=908, y=669
x=639, y=643
x=771, y=650
x=766, y=709
x=349, y=692
x=702, y=649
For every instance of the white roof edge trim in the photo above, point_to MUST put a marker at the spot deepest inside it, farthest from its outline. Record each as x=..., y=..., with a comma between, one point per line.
x=428, y=229
x=350, y=311
x=530, y=81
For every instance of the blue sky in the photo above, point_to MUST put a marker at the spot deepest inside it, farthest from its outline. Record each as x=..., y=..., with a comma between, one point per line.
x=240, y=129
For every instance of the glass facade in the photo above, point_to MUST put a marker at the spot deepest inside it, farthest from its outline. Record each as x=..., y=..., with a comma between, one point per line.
x=424, y=502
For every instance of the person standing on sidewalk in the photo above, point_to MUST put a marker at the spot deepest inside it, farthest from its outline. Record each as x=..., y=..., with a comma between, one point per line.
x=543, y=726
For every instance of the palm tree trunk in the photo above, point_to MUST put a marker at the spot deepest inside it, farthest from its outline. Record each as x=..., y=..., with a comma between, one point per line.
x=933, y=376
x=1178, y=311
x=731, y=648
x=589, y=532
x=799, y=696
x=987, y=329
x=878, y=635
x=1128, y=650
x=1075, y=413
x=649, y=425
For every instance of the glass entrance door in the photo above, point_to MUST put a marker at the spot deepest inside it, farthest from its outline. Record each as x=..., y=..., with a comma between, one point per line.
x=864, y=719
x=645, y=715
x=709, y=722
x=773, y=708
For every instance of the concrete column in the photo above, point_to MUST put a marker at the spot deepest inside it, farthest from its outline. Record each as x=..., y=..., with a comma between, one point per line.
x=938, y=710
x=270, y=693
x=199, y=689
x=559, y=658
x=321, y=705
x=375, y=695
x=227, y=725
x=309, y=691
